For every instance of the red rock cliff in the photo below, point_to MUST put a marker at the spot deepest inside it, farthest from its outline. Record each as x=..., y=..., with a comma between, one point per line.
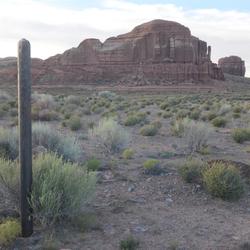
x=157, y=52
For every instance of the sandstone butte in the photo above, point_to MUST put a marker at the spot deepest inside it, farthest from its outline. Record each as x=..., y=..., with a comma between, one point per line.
x=157, y=52
x=233, y=65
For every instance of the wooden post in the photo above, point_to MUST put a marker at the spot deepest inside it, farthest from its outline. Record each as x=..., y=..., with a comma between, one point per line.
x=25, y=140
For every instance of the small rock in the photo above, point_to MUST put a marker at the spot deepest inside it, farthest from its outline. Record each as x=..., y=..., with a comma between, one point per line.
x=131, y=188
x=169, y=201
x=140, y=229
x=236, y=237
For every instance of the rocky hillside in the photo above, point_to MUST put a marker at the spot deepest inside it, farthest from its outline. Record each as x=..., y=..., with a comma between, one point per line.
x=157, y=52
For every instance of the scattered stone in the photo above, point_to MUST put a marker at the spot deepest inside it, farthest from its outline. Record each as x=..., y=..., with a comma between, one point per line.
x=131, y=188
x=169, y=201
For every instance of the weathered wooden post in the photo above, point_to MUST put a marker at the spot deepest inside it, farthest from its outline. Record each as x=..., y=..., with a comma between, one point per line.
x=25, y=140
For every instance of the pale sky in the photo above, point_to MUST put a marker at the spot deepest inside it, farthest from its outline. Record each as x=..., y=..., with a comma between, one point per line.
x=52, y=26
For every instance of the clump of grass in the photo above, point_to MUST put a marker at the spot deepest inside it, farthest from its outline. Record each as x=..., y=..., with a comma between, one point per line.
x=241, y=134
x=219, y=122
x=74, y=123
x=93, y=164
x=128, y=153
x=129, y=244
x=196, y=135
x=152, y=167
x=112, y=136
x=52, y=140
x=10, y=229
x=8, y=143
x=134, y=119
x=59, y=190
x=150, y=129
x=177, y=127
x=223, y=181
x=191, y=170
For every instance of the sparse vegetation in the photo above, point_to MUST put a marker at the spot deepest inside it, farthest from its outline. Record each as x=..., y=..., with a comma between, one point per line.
x=191, y=170
x=241, y=134
x=93, y=164
x=223, y=181
x=112, y=137
x=10, y=229
x=219, y=122
x=129, y=244
x=128, y=153
x=60, y=189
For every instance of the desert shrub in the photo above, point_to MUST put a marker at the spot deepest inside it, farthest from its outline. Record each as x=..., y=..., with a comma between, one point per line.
x=51, y=139
x=237, y=109
x=112, y=136
x=164, y=105
x=224, y=109
x=149, y=130
x=9, y=231
x=134, y=119
x=108, y=94
x=72, y=99
x=241, y=134
x=211, y=116
x=93, y=164
x=191, y=170
x=74, y=123
x=8, y=143
x=60, y=189
x=223, y=181
x=9, y=179
x=129, y=244
x=195, y=114
x=167, y=115
x=128, y=153
x=236, y=115
x=177, y=127
x=152, y=167
x=219, y=122
x=196, y=135
x=43, y=106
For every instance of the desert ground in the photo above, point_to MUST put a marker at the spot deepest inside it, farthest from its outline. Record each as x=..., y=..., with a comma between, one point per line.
x=142, y=198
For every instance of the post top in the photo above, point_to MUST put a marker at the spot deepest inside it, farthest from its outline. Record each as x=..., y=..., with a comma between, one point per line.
x=23, y=41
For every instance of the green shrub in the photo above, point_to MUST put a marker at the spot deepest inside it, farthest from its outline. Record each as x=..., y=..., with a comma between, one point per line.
x=134, y=119
x=177, y=127
x=151, y=163
x=112, y=136
x=8, y=143
x=241, y=134
x=219, y=122
x=152, y=167
x=149, y=130
x=51, y=139
x=194, y=115
x=191, y=170
x=74, y=123
x=211, y=116
x=196, y=135
x=9, y=231
x=59, y=190
x=93, y=164
x=129, y=244
x=128, y=153
x=223, y=181
x=224, y=109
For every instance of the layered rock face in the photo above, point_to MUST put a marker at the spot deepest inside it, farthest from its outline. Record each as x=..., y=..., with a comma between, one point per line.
x=233, y=65
x=157, y=52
